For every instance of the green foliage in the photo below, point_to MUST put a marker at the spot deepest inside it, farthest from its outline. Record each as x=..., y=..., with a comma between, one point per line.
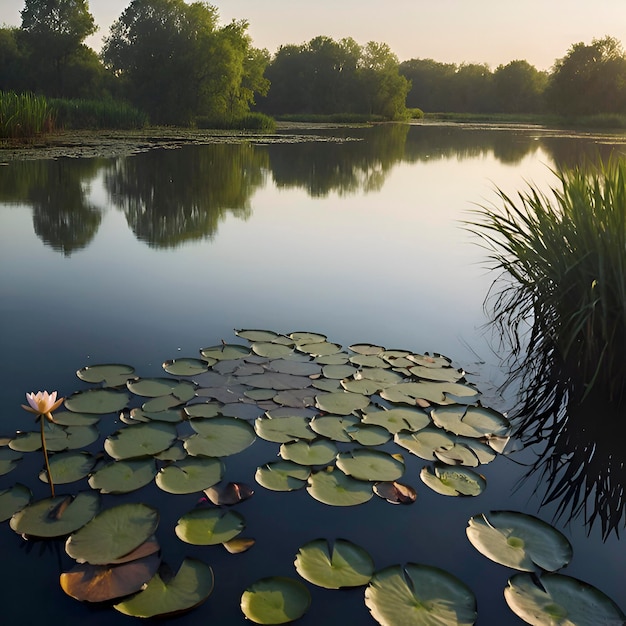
x=562, y=258
x=24, y=115
x=94, y=114
x=415, y=113
x=589, y=79
x=519, y=88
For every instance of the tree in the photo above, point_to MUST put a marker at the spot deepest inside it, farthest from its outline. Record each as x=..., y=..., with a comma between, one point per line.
x=589, y=79
x=52, y=32
x=177, y=63
x=431, y=83
x=519, y=87
x=11, y=61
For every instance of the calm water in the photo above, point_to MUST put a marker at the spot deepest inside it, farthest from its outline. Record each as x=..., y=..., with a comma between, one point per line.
x=145, y=258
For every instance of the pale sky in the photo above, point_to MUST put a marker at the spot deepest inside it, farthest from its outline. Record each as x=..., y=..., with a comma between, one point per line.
x=449, y=31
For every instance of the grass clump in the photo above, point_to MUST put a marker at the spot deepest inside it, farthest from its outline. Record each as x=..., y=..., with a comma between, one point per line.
x=249, y=121
x=562, y=257
x=24, y=115
x=97, y=114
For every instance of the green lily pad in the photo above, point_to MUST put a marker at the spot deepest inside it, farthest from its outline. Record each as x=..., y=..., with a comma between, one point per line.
x=318, y=452
x=472, y=421
x=140, y=440
x=430, y=360
x=68, y=467
x=56, y=517
x=123, y=476
x=282, y=476
x=559, y=599
x=152, y=387
x=219, y=436
x=271, y=350
x=283, y=429
x=425, y=442
x=112, y=533
x=173, y=416
x=109, y=374
x=257, y=335
x=9, y=459
x=334, y=427
x=190, y=475
x=338, y=371
x=13, y=499
x=341, y=402
x=372, y=465
x=303, y=337
x=520, y=541
x=225, y=352
x=419, y=595
x=187, y=366
x=369, y=434
x=346, y=565
x=319, y=348
x=333, y=487
x=161, y=403
x=101, y=583
x=99, y=401
x=435, y=392
x=466, y=451
x=69, y=418
x=209, y=526
x=191, y=586
x=276, y=380
x=58, y=438
x=442, y=374
x=368, y=360
x=275, y=600
x=367, y=349
x=453, y=481
x=296, y=368
x=395, y=420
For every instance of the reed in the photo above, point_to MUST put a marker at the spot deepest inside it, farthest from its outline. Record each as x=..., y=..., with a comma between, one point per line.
x=24, y=115
x=562, y=287
x=97, y=114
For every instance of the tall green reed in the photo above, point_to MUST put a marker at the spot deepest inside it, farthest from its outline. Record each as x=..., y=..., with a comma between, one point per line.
x=24, y=115
x=562, y=287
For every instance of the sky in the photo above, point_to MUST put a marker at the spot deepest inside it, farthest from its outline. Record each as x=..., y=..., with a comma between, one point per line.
x=494, y=32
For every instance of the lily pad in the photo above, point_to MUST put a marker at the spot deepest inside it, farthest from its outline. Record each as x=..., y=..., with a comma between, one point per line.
x=186, y=366
x=372, y=465
x=256, y=335
x=229, y=493
x=282, y=476
x=419, y=595
x=283, y=429
x=190, y=475
x=99, y=401
x=208, y=526
x=100, y=583
x=69, y=418
x=271, y=350
x=395, y=420
x=302, y=337
x=334, y=427
x=443, y=374
x=109, y=374
x=341, y=402
x=472, y=421
x=318, y=452
x=275, y=600
x=559, y=599
x=369, y=434
x=453, y=481
x=56, y=517
x=518, y=540
x=335, y=488
x=152, y=387
x=9, y=459
x=203, y=409
x=123, y=476
x=140, y=440
x=425, y=442
x=226, y=352
x=466, y=451
x=68, y=467
x=395, y=492
x=112, y=533
x=191, y=586
x=219, y=436
x=13, y=499
x=345, y=565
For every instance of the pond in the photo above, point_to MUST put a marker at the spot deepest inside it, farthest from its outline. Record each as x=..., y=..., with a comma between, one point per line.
x=354, y=233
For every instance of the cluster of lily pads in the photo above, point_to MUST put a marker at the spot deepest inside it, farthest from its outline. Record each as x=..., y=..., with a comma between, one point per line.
x=329, y=410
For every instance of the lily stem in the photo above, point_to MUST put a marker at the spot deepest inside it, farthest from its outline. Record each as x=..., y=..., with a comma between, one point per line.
x=45, y=456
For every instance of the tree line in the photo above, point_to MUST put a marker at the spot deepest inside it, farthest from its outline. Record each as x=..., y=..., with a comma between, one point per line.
x=178, y=63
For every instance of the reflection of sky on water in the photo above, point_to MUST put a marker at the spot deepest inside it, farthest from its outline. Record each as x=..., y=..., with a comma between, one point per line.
x=394, y=267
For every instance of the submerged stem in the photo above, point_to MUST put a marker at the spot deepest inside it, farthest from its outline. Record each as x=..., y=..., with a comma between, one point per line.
x=45, y=456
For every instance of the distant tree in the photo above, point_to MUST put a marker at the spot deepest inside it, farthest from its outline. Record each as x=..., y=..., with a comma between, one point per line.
x=383, y=88
x=11, y=61
x=52, y=32
x=589, y=79
x=176, y=62
x=472, y=89
x=431, y=83
x=519, y=87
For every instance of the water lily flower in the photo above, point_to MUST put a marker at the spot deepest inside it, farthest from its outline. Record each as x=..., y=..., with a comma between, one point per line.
x=43, y=403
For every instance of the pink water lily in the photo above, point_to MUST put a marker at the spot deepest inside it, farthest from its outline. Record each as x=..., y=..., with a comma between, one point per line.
x=43, y=403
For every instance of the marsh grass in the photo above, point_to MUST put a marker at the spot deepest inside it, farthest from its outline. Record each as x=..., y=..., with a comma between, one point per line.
x=561, y=294
x=24, y=115
x=97, y=114
x=250, y=121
